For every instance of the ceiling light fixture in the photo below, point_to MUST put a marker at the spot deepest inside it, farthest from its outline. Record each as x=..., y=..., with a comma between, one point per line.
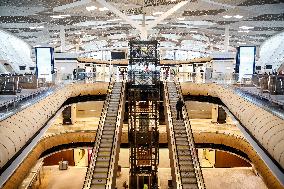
x=246, y=27
x=91, y=8
x=60, y=16
x=182, y=18
x=157, y=13
x=238, y=16
x=36, y=27
x=103, y=9
x=227, y=16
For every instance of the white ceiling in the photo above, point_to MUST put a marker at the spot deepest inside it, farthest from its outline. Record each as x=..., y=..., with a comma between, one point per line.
x=201, y=21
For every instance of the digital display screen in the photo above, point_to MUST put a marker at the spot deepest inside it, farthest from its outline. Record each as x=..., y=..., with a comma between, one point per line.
x=258, y=68
x=268, y=66
x=247, y=62
x=44, y=63
x=117, y=55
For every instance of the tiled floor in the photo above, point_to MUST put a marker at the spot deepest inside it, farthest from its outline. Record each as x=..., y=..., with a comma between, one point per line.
x=72, y=178
x=232, y=178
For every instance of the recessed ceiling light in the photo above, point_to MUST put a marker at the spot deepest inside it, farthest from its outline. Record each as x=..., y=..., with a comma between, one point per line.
x=60, y=16
x=227, y=16
x=91, y=8
x=54, y=16
x=182, y=18
x=246, y=27
x=103, y=9
x=36, y=27
x=157, y=13
x=65, y=15
x=238, y=16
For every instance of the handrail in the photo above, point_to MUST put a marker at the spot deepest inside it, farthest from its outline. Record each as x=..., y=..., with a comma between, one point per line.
x=170, y=122
x=115, y=138
x=89, y=173
x=198, y=171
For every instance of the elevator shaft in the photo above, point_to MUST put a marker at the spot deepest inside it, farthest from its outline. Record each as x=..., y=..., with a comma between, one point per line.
x=143, y=117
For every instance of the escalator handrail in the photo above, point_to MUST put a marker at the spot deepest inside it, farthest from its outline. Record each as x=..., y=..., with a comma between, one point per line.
x=90, y=169
x=195, y=159
x=111, y=167
x=170, y=122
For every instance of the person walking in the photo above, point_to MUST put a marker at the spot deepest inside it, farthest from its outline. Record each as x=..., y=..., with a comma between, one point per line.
x=179, y=106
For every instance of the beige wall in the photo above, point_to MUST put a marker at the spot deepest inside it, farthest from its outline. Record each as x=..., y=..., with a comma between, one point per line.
x=265, y=127
x=200, y=137
x=17, y=129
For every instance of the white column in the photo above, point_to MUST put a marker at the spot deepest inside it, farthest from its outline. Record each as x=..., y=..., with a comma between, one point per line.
x=144, y=34
x=227, y=39
x=62, y=39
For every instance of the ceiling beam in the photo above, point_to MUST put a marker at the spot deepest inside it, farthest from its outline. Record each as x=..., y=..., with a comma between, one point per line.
x=133, y=23
x=166, y=15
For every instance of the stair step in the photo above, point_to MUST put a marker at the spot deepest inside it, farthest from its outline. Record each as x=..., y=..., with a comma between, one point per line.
x=100, y=170
x=185, y=163
x=187, y=174
x=97, y=186
x=183, y=152
x=104, y=158
x=185, y=158
x=99, y=175
x=107, y=136
x=189, y=180
x=104, y=154
x=102, y=164
x=186, y=169
x=109, y=127
x=189, y=186
x=108, y=132
x=182, y=142
x=104, y=149
x=99, y=181
x=180, y=131
x=106, y=144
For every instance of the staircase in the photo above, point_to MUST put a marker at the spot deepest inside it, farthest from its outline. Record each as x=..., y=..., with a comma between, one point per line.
x=101, y=173
x=185, y=160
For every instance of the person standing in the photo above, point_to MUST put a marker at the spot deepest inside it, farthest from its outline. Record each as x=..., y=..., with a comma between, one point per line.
x=179, y=106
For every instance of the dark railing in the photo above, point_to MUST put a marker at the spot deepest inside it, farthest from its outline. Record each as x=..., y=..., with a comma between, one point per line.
x=194, y=154
x=172, y=138
x=91, y=167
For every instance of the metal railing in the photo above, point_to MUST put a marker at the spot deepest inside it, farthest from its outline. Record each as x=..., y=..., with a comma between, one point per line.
x=91, y=167
x=111, y=167
x=195, y=159
x=173, y=142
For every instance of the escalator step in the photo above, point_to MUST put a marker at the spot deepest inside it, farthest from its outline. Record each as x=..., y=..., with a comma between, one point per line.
x=100, y=170
x=187, y=174
x=99, y=175
x=189, y=180
x=99, y=181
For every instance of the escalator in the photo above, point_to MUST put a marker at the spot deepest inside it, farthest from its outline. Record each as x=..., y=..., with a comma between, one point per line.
x=186, y=172
x=102, y=169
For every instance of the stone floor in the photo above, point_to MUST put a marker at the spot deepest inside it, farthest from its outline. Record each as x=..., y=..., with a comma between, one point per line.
x=227, y=178
x=72, y=178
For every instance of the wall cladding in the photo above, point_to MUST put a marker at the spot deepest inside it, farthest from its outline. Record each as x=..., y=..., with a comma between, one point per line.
x=67, y=137
x=17, y=129
x=264, y=126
